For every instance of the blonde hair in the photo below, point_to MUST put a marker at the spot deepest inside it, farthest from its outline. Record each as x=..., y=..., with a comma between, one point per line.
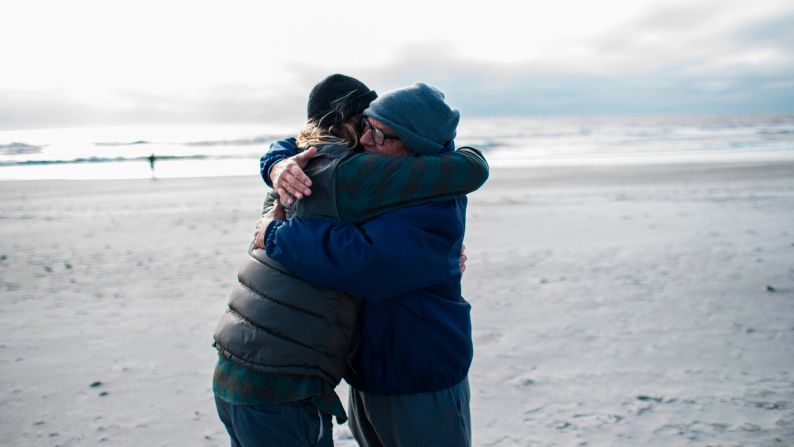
x=342, y=132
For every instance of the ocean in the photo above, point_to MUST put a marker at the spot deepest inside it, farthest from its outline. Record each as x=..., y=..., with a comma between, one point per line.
x=203, y=151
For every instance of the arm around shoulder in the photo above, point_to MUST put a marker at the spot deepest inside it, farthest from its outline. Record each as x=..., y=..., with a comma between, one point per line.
x=394, y=182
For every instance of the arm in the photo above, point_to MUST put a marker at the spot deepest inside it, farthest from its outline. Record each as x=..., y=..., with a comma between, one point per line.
x=389, y=182
x=280, y=150
x=273, y=212
x=407, y=249
x=286, y=174
x=368, y=185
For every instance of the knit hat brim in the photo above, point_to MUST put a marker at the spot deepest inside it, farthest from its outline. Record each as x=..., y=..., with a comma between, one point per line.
x=415, y=142
x=347, y=106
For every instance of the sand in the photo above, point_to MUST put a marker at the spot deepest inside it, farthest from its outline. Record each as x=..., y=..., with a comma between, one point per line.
x=631, y=306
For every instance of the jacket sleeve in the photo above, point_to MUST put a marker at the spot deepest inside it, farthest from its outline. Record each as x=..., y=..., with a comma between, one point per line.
x=278, y=151
x=393, y=182
x=400, y=251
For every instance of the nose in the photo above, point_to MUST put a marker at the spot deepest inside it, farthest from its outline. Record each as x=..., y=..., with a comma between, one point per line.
x=366, y=137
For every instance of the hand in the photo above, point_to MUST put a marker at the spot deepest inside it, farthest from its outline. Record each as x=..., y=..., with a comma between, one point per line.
x=275, y=213
x=289, y=180
x=463, y=258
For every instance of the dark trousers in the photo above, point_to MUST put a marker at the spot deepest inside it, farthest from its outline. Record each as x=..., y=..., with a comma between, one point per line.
x=292, y=424
x=438, y=419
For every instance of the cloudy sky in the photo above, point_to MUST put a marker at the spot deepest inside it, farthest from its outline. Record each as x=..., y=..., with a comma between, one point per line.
x=80, y=62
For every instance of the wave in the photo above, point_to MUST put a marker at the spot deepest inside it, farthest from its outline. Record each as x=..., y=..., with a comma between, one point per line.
x=19, y=148
x=260, y=140
x=134, y=143
x=775, y=132
x=111, y=160
x=264, y=139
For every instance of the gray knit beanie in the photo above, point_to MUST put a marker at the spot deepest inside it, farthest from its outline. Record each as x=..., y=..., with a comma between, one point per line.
x=419, y=116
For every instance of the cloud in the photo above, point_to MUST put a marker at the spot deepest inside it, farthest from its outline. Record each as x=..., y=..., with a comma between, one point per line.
x=696, y=64
x=676, y=58
x=228, y=104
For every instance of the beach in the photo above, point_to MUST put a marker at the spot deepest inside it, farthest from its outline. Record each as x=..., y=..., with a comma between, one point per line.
x=611, y=305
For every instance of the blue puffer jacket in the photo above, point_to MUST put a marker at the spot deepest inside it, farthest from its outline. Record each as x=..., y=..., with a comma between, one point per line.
x=416, y=326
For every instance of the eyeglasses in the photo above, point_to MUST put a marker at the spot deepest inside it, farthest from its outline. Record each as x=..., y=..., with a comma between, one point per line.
x=377, y=135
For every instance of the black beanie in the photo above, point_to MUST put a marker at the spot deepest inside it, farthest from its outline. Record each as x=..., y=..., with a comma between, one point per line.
x=338, y=97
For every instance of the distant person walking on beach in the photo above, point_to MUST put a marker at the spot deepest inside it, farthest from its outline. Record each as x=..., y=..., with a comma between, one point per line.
x=283, y=344
x=409, y=371
x=152, y=159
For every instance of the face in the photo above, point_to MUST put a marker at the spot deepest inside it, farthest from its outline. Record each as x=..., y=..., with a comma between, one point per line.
x=390, y=147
